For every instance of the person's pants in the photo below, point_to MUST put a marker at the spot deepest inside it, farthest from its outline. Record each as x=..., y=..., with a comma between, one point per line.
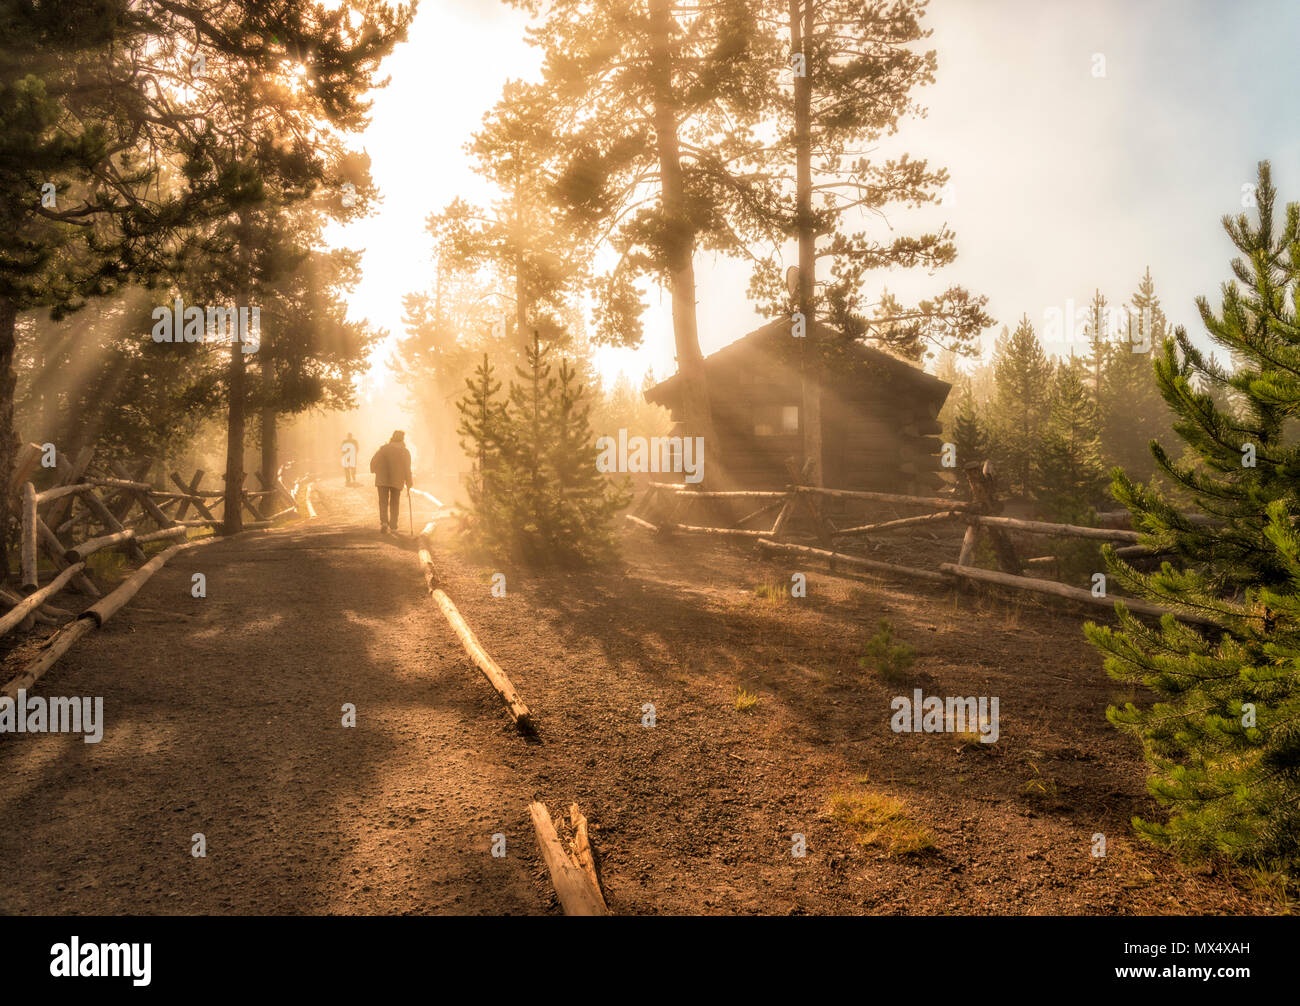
x=350, y=474
x=390, y=505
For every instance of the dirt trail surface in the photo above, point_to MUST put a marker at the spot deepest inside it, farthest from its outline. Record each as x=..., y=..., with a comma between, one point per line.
x=223, y=717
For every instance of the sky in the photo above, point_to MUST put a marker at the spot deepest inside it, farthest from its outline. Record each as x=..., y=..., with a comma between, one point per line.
x=1086, y=141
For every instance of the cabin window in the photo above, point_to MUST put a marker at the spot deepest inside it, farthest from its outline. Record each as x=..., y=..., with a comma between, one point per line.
x=776, y=420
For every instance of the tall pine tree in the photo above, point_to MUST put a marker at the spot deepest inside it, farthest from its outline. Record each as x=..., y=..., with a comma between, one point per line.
x=1068, y=471
x=1222, y=733
x=1023, y=375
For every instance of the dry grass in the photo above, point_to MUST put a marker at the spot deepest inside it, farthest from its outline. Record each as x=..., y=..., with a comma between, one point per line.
x=878, y=820
x=773, y=592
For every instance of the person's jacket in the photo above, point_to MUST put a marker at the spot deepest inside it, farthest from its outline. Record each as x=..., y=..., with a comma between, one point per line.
x=392, y=465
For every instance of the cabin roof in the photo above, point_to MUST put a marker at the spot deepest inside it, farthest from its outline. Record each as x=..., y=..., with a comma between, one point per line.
x=882, y=366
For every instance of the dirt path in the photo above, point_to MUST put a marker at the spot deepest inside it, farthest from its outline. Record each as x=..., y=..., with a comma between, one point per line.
x=224, y=717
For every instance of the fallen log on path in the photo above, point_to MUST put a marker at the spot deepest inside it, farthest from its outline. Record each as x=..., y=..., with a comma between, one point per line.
x=425, y=552
x=582, y=851
x=577, y=893
x=430, y=497
x=519, y=712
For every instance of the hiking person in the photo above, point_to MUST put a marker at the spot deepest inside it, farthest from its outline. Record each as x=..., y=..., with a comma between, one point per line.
x=350, y=448
x=392, y=469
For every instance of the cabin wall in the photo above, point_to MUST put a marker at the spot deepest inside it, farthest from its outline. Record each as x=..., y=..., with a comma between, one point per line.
x=879, y=433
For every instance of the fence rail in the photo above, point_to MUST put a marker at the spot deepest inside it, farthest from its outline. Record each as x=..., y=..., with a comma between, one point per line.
x=86, y=512
x=660, y=510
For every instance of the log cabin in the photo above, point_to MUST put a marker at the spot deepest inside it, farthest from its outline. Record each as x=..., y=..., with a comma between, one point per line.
x=880, y=421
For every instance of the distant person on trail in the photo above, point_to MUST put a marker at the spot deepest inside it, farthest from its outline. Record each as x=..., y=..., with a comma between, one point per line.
x=350, y=448
x=392, y=468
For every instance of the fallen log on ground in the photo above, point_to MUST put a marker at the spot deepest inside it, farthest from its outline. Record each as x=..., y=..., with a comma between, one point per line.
x=33, y=601
x=1057, y=530
x=1064, y=590
x=425, y=552
x=519, y=712
x=642, y=523
x=874, y=565
x=429, y=496
x=54, y=647
x=572, y=885
x=582, y=851
x=104, y=609
x=46, y=614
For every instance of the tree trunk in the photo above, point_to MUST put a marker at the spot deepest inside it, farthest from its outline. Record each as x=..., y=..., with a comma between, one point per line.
x=696, y=410
x=801, y=15
x=8, y=436
x=233, y=518
x=270, y=445
x=270, y=416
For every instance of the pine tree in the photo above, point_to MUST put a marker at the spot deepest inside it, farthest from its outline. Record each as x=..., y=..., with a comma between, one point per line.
x=485, y=437
x=1222, y=736
x=584, y=502
x=536, y=495
x=1098, y=343
x=1132, y=411
x=650, y=109
x=968, y=434
x=1023, y=377
x=527, y=412
x=1068, y=471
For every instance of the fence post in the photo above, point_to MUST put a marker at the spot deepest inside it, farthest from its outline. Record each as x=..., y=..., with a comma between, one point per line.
x=979, y=478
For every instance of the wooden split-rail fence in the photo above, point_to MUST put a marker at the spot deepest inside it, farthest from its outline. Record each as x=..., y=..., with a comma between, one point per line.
x=89, y=509
x=800, y=508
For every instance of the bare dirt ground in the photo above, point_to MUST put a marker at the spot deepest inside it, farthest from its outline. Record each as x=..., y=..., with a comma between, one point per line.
x=223, y=717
